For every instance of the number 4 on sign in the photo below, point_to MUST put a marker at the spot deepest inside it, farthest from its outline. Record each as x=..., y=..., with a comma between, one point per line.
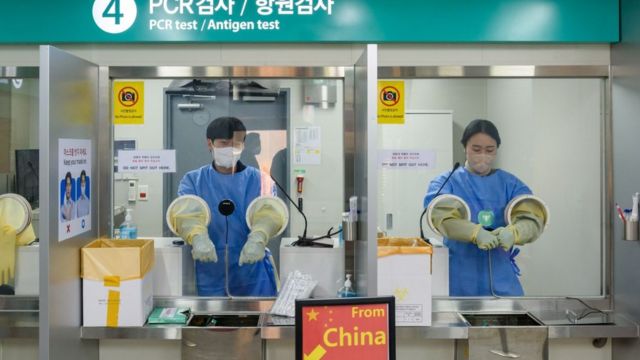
x=113, y=11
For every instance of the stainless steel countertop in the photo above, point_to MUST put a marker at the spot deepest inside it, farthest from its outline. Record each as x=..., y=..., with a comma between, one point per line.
x=445, y=325
x=19, y=324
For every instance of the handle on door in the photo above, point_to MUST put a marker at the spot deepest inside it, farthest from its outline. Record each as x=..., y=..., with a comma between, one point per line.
x=389, y=221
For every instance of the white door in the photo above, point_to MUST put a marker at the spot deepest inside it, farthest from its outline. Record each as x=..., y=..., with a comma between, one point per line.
x=402, y=190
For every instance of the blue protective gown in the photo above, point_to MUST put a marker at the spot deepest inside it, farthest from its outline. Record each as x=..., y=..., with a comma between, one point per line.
x=469, y=265
x=242, y=187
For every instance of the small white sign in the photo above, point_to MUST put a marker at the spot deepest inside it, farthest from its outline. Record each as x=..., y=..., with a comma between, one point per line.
x=157, y=161
x=407, y=159
x=307, y=145
x=74, y=189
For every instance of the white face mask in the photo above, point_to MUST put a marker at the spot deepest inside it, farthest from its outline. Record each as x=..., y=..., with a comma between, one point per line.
x=226, y=157
x=480, y=164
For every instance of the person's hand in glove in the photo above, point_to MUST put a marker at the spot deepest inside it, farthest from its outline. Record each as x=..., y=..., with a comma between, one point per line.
x=254, y=249
x=203, y=249
x=506, y=237
x=485, y=240
x=7, y=253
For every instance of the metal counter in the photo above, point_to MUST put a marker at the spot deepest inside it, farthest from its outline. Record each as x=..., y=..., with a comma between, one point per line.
x=445, y=324
x=19, y=317
x=19, y=325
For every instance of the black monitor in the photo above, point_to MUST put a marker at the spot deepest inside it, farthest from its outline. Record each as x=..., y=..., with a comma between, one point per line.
x=27, y=175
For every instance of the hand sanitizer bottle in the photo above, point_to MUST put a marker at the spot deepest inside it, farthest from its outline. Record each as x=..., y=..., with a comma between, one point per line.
x=347, y=289
x=128, y=229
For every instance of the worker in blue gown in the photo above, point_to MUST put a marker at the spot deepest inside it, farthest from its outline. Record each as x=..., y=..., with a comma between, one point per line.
x=487, y=191
x=227, y=178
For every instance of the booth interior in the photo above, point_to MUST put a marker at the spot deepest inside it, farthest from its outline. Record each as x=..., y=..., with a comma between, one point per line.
x=320, y=185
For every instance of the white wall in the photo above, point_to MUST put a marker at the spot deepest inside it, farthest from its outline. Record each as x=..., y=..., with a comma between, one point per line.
x=551, y=140
x=466, y=98
x=147, y=214
x=323, y=191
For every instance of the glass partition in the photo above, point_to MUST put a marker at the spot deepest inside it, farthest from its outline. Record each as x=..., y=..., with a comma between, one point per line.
x=287, y=137
x=552, y=140
x=19, y=175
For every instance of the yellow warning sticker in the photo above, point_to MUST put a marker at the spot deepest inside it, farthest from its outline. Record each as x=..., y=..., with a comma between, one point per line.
x=128, y=102
x=391, y=102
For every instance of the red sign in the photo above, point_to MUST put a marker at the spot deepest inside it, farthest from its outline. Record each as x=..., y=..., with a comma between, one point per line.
x=346, y=329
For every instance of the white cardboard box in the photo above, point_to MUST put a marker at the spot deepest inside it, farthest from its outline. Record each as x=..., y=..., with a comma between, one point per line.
x=440, y=271
x=408, y=278
x=133, y=307
x=27, y=270
x=325, y=265
x=117, y=282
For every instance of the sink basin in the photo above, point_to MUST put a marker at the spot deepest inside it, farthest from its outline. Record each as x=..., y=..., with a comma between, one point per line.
x=498, y=320
x=215, y=320
x=236, y=320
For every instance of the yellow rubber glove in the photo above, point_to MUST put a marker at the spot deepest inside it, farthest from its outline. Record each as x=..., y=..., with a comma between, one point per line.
x=527, y=224
x=189, y=220
x=447, y=218
x=266, y=222
x=26, y=237
x=7, y=253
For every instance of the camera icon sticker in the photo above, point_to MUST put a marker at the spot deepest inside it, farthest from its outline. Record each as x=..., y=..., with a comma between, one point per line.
x=389, y=96
x=128, y=96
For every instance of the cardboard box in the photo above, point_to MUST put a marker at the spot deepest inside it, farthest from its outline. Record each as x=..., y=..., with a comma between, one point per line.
x=404, y=271
x=27, y=282
x=325, y=265
x=117, y=282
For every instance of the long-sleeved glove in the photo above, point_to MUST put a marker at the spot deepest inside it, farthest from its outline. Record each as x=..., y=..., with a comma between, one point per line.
x=254, y=249
x=7, y=253
x=189, y=219
x=447, y=218
x=203, y=249
x=527, y=226
x=266, y=222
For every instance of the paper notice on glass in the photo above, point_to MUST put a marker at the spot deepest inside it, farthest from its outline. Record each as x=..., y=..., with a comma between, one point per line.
x=158, y=161
x=307, y=148
x=406, y=159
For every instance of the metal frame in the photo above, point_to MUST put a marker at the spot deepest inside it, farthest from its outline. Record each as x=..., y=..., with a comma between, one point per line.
x=344, y=73
x=603, y=301
x=20, y=72
x=493, y=71
x=177, y=72
x=12, y=302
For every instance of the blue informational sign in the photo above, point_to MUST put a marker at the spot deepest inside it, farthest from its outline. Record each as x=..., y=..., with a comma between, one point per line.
x=365, y=21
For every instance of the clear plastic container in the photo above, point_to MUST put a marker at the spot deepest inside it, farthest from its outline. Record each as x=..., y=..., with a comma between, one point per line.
x=128, y=229
x=347, y=289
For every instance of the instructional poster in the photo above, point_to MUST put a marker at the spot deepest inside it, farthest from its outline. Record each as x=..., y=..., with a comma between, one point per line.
x=74, y=191
x=307, y=145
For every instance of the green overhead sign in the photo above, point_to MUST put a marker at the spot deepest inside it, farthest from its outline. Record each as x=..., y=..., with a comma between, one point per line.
x=370, y=21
